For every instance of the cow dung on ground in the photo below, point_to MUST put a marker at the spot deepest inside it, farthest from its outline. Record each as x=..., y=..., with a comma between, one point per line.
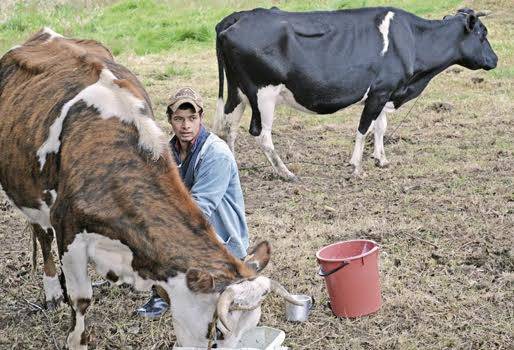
x=440, y=107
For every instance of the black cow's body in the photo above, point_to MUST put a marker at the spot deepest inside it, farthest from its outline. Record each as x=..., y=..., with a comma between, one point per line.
x=324, y=61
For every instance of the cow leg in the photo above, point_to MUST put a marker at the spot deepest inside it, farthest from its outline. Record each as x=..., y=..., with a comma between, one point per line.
x=358, y=150
x=232, y=121
x=372, y=109
x=266, y=101
x=378, y=151
x=226, y=125
x=51, y=284
x=80, y=292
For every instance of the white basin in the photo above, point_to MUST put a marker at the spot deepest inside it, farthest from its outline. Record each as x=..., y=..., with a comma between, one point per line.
x=258, y=338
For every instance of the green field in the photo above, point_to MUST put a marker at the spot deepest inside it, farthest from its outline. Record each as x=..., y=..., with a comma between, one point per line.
x=144, y=27
x=149, y=26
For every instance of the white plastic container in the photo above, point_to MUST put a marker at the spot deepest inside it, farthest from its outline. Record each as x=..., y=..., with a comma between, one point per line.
x=258, y=338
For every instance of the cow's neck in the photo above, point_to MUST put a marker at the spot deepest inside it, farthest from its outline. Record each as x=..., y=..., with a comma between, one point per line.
x=436, y=47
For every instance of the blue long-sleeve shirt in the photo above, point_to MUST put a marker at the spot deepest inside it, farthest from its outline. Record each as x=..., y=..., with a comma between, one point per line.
x=217, y=191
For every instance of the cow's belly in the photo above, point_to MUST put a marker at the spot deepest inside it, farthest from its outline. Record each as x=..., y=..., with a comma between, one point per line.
x=24, y=187
x=286, y=97
x=27, y=194
x=312, y=105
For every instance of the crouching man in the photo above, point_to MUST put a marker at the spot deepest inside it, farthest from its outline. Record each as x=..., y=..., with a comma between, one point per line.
x=209, y=170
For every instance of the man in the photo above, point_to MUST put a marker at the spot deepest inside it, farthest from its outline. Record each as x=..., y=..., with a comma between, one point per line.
x=209, y=170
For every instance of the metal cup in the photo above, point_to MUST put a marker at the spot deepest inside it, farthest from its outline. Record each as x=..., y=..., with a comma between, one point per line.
x=299, y=313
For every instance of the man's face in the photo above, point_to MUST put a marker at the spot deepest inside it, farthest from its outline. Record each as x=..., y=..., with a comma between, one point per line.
x=185, y=124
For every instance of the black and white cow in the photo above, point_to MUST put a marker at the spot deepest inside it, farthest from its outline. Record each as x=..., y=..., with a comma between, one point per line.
x=321, y=62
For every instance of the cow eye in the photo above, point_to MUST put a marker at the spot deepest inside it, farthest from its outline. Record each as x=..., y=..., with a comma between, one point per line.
x=483, y=36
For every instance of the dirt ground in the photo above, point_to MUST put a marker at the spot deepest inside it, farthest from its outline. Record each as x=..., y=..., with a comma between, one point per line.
x=442, y=213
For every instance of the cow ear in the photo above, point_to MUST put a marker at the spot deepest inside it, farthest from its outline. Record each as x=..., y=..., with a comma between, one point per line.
x=259, y=257
x=199, y=281
x=471, y=20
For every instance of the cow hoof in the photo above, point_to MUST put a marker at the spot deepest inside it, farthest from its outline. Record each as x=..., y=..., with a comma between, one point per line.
x=100, y=283
x=358, y=174
x=382, y=163
x=290, y=177
x=54, y=304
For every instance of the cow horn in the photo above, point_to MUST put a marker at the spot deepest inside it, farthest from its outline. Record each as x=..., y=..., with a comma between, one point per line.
x=222, y=308
x=280, y=290
x=236, y=307
x=482, y=13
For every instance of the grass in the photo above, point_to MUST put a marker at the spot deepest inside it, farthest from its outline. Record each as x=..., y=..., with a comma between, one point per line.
x=143, y=27
x=150, y=26
x=172, y=71
x=418, y=7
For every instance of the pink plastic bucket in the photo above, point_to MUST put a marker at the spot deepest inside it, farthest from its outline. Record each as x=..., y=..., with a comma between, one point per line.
x=350, y=269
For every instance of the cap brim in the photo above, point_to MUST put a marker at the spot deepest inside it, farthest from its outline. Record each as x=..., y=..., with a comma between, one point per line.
x=181, y=101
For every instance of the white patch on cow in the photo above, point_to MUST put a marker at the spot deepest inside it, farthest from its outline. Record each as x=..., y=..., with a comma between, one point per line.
x=40, y=216
x=52, y=34
x=75, y=336
x=110, y=255
x=111, y=101
x=365, y=97
x=53, y=195
x=74, y=266
x=357, y=152
x=191, y=312
x=389, y=107
x=380, y=128
x=267, y=98
x=379, y=132
x=52, y=288
x=384, y=29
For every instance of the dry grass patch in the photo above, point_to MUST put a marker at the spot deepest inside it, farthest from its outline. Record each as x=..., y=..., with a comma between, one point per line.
x=443, y=214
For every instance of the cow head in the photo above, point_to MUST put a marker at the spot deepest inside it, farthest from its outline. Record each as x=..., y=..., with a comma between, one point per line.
x=198, y=303
x=475, y=49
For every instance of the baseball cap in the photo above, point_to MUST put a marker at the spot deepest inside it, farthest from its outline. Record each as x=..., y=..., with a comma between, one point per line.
x=185, y=95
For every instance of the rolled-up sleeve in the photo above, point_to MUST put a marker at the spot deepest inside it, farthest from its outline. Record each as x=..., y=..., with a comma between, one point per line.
x=211, y=183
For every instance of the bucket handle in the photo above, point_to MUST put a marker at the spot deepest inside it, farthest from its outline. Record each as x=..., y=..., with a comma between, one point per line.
x=325, y=274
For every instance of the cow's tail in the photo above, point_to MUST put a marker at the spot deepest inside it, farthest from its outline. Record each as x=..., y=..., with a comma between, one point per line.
x=220, y=105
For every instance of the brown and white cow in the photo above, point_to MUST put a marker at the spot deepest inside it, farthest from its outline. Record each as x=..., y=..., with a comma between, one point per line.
x=84, y=160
